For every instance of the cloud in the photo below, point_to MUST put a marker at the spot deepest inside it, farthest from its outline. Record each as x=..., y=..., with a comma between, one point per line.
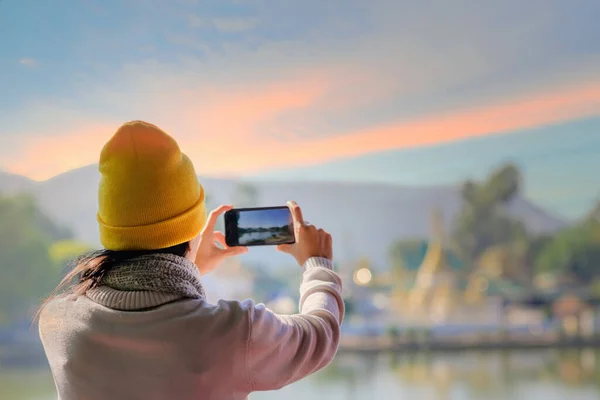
x=211, y=132
x=504, y=117
x=224, y=136
x=42, y=157
x=290, y=84
x=562, y=104
x=28, y=62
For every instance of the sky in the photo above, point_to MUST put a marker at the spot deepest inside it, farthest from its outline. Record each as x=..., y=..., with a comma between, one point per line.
x=252, y=87
x=559, y=164
x=264, y=218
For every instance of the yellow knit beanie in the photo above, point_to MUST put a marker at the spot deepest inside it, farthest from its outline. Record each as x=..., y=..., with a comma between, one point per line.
x=149, y=196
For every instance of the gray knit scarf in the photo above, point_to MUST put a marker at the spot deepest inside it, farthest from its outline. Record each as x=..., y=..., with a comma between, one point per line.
x=166, y=273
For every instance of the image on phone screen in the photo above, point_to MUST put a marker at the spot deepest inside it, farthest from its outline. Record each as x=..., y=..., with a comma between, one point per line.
x=259, y=226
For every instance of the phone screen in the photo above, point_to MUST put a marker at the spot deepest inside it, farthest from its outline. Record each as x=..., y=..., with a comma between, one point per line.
x=259, y=226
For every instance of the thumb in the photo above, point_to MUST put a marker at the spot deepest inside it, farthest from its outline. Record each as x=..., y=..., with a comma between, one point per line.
x=284, y=248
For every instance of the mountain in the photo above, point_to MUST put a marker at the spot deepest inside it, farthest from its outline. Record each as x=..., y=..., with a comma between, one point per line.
x=10, y=183
x=363, y=218
x=558, y=162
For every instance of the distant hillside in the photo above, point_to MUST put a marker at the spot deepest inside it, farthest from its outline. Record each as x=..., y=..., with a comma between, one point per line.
x=558, y=162
x=363, y=218
x=10, y=183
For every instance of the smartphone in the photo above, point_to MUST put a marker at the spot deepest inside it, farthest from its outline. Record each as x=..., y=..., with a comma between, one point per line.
x=262, y=226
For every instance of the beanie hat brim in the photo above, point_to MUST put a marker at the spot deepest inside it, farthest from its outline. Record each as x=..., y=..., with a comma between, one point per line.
x=158, y=235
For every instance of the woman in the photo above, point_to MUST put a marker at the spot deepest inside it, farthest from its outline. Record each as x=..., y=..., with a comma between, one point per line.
x=137, y=324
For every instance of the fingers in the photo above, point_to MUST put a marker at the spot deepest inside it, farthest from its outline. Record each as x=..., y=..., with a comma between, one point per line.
x=311, y=229
x=234, y=251
x=324, y=236
x=327, y=240
x=328, y=246
x=284, y=248
x=220, y=238
x=226, y=250
x=296, y=213
x=214, y=216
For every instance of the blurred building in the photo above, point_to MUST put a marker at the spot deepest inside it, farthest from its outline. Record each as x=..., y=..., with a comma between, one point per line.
x=435, y=290
x=438, y=296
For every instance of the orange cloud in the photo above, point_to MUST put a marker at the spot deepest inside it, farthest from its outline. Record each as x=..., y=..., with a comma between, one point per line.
x=212, y=132
x=224, y=132
x=505, y=117
x=43, y=157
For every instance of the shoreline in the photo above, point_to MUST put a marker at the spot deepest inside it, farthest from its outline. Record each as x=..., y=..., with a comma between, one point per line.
x=373, y=345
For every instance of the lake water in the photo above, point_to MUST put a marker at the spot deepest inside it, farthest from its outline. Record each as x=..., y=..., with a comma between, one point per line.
x=249, y=237
x=533, y=374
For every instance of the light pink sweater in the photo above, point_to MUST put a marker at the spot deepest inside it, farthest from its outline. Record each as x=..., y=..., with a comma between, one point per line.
x=114, y=344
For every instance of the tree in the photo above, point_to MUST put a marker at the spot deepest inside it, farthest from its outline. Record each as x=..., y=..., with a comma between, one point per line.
x=483, y=221
x=27, y=272
x=594, y=215
x=503, y=184
x=573, y=252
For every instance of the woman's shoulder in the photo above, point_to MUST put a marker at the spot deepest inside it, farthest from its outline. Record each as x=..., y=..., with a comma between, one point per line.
x=59, y=303
x=56, y=311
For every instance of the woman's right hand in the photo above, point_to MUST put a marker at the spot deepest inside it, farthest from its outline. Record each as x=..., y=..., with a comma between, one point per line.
x=310, y=241
x=208, y=254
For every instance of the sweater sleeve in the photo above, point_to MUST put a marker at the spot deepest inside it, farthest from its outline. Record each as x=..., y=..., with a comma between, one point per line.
x=285, y=348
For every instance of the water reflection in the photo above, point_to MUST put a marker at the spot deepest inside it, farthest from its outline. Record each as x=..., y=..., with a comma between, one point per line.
x=525, y=374
x=551, y=374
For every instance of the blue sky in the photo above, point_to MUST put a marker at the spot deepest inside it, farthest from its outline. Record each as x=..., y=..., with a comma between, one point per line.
x=264, y=218
x=252, y=87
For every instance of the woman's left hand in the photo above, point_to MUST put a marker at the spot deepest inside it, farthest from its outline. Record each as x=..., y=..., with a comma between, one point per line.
x=209, y=254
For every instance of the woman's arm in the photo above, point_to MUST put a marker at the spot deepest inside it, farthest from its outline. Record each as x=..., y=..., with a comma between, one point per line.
x=283, y=349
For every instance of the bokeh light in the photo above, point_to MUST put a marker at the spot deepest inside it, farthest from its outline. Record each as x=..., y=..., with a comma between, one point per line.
x=363, y=276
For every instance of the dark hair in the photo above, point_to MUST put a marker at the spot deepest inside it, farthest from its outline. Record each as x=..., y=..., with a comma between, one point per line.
x=89, y=269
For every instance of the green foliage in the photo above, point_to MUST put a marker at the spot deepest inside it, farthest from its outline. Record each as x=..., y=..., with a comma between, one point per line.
x=484, y=224
x=483, y=221
x=484, y=233
x=574, y=252
x=594, y=215
x=64, y=251
x=502, y=185
x=535, y=246
x=595, y=287
x=392, y=331
x=27, y=271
